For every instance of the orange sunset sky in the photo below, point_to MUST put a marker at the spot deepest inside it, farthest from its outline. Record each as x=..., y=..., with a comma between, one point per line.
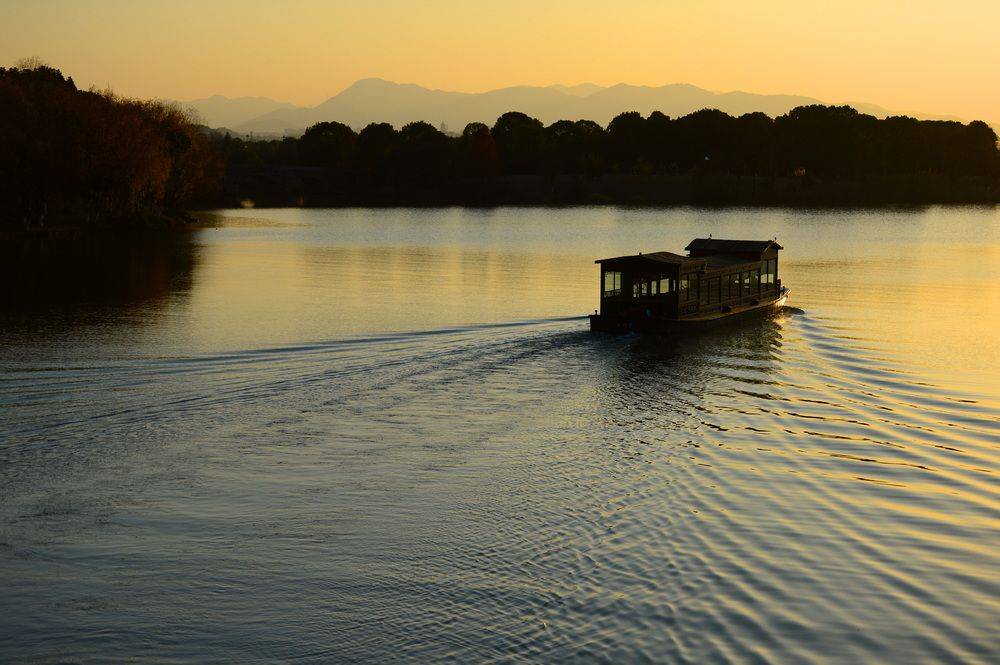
x=914, y=57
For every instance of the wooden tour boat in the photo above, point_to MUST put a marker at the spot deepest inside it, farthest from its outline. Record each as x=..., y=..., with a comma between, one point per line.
x=718, y=281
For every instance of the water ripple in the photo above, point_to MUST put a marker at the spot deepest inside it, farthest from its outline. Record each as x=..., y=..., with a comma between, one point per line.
x=775, y=493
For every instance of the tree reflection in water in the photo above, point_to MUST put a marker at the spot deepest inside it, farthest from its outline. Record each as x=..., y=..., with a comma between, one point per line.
x=54, y=284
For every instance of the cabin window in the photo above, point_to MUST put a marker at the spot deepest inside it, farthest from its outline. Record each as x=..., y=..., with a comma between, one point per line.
x=755, y=281
x=667, y=285
x=640, y=288
x=746, y=283
x=612, y=283
x=689, y=288
x=713, y=290
x=769, y=276
x=735, y=286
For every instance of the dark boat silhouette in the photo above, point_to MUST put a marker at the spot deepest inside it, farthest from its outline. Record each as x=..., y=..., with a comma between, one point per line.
x=718, y=281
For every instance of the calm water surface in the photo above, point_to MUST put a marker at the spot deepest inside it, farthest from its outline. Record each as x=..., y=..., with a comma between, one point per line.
x=385, y=435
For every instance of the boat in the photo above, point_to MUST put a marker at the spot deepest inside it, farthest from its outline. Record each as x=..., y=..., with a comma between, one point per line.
x=717, y=282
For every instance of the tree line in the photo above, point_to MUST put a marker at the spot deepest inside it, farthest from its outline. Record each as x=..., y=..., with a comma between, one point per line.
x=86, y=158
x=813, y=141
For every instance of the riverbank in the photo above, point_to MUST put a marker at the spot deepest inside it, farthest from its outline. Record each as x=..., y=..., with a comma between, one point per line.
x=69, y=228
x=283, y=186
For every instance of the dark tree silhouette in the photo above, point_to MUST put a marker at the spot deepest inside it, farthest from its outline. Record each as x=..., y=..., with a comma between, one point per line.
x=329, y=144
x=574, y=147
x=712, y=149
x=658, y=147
x=376, y=148
x=478, y=150
x=827, y=140
x=83, y=157
x=706, y=141
x=627, y=143
x=823, y=141
x=520, y=140
x=424, y=151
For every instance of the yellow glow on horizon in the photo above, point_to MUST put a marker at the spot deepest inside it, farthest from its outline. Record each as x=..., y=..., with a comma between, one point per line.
x=909, y=57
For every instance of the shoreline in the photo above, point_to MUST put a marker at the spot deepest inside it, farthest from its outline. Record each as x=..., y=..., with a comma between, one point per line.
x=310, y=187
x=139, y=225
x=605, y=204
x=64, y=232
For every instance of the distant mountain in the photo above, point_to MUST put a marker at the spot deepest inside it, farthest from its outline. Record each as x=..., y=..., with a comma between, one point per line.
x=581, y=90
x=680, y=99
x=377, y=100
x=219, y=111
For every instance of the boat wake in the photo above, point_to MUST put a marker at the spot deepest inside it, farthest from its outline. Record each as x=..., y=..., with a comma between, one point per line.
x=781, y=491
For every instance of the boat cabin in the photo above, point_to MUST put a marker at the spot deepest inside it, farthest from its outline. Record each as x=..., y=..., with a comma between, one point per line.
x=717, y=276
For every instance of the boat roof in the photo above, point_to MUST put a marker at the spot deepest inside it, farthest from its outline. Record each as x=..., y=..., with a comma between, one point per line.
x=659, y=257
x=731, y=246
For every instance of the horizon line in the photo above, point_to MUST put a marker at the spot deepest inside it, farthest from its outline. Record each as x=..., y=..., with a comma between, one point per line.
x=852, y=103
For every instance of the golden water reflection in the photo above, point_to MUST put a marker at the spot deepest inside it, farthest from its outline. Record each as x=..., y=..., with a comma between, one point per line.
x=814, y=485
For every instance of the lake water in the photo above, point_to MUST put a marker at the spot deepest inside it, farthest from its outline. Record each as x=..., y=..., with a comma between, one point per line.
x=386, y=435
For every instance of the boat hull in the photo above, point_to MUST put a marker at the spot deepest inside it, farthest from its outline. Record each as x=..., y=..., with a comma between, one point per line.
x=693, y=324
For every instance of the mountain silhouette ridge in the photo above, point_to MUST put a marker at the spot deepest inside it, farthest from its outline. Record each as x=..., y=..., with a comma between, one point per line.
x=375, y=99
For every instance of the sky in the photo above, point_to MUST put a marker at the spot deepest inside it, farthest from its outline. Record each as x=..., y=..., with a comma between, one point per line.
x=913, y=56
